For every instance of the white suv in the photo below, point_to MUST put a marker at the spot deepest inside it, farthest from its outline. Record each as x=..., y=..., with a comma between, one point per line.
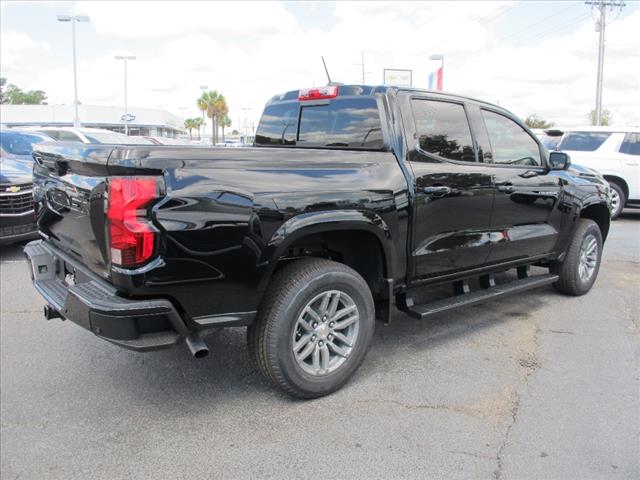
x=614, y=152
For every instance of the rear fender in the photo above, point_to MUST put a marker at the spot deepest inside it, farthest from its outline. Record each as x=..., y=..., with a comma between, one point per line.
x=327, y=221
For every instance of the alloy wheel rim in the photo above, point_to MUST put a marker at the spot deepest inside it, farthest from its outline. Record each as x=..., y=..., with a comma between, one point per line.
x=615, y=200
x=325, y=332
x=588, y=258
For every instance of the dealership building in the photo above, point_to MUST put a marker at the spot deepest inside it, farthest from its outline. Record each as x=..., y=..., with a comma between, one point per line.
x=143, y=121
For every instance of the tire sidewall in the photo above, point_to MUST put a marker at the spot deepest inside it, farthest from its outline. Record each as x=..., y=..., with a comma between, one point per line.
x=585, y=286
x=282, y=340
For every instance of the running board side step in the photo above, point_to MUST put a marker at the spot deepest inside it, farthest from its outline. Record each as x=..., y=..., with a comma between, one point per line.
x=423, y=311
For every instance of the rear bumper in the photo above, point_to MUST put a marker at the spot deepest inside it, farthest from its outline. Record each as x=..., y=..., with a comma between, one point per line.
x=95, y=305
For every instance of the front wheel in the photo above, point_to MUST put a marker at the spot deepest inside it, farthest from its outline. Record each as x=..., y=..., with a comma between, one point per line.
x=314, y=327
x=579, y=269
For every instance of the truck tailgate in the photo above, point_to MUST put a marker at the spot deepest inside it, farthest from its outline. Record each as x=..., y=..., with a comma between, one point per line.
x=69, y=196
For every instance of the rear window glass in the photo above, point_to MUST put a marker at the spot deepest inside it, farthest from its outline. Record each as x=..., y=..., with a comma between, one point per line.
x=631, y=144
x=278, y=124
x=19, y=143
x=343, y=123
x=583, y=141
x=551, y=141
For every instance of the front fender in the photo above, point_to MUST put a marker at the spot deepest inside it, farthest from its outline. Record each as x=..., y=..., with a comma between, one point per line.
x=310, y=223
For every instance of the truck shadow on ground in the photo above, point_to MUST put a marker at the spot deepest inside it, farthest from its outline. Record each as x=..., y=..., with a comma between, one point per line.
x=227, y=375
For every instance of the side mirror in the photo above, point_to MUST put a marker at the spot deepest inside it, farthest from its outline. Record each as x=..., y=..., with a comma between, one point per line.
x=559, y=161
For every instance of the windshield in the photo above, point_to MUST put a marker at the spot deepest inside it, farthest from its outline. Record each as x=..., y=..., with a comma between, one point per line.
x=583, y=141
x=19, y=143
x=115, y=138
x=551, y=141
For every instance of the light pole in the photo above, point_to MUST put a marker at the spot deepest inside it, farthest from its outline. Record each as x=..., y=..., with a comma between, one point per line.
x=440, y=74
x=204, y=123
x=73, y=19
x=125, y=58
x=245, y=125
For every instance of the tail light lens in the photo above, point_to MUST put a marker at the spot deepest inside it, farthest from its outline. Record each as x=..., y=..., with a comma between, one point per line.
x=132, y=236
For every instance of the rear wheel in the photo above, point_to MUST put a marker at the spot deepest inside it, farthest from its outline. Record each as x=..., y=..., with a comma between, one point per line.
x=579, y=269
x=618, y=200
x=314, y=327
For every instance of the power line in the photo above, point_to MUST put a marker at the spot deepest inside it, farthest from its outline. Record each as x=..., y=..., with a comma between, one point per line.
x=549, y=32
x=520, y=32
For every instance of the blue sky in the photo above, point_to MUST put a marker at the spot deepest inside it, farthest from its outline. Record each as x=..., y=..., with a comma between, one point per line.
x=531, y=57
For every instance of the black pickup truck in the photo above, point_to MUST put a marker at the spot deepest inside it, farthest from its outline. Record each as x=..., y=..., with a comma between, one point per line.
x=353, y=198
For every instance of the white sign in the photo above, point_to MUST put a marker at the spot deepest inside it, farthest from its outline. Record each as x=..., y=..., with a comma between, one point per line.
x=393, y=76
x=128, y=117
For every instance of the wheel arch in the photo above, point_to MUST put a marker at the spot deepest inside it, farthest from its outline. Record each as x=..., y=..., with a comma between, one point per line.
x=361, y=240
x=619, y=181
x=599, y=213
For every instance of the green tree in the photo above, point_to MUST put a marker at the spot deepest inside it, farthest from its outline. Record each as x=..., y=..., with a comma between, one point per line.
x=606, y=117
x=225, y=122
x=190, y=124
x=15, y=96
x=533, y=121
x=3, y=97
x=197, y=121
x=215, y=105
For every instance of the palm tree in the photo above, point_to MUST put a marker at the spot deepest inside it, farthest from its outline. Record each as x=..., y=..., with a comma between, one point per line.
x=215, y=105
x=225, y=122
x=190, y=124
x=197, y=122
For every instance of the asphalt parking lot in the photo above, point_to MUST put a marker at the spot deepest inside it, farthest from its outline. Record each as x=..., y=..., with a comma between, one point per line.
x=535, y=386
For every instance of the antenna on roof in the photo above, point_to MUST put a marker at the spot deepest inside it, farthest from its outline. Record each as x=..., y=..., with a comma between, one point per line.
x=326, y=69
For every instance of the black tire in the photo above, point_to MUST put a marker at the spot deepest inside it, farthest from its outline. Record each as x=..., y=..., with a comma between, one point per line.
x=570, y=281
x=622, y=200
x=271, y=336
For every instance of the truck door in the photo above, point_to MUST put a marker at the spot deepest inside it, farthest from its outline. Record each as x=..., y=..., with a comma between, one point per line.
x=453, y=192
x=526, y=218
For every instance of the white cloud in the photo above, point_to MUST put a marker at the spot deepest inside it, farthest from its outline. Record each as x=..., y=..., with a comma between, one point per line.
x=251, y=51
x=163, y=19
x=15, y=45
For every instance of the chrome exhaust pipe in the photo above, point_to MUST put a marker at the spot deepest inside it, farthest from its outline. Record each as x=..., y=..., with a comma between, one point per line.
x=196, y=345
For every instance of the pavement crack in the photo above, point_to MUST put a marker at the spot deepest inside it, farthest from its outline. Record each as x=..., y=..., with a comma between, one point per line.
x=497, y=474
x=530, y=363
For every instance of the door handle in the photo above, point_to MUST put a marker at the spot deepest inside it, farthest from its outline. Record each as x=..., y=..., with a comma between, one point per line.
x=437, y=190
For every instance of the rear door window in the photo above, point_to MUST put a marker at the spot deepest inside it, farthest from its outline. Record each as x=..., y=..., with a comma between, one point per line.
x=443, y=129
x=631, y=144
x=583, y=141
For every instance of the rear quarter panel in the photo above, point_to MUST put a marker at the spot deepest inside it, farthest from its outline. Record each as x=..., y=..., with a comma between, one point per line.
x=228, y=214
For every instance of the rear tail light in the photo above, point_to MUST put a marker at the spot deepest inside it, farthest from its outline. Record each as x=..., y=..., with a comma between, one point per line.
x=318, y=93
x=132, y=236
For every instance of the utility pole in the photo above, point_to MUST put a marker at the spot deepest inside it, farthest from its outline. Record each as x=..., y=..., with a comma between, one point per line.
x=601, y=23
x=362, y=67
